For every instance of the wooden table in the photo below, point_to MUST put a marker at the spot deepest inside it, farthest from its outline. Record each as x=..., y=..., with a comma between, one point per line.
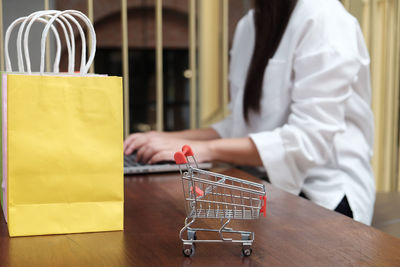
x=295, y=233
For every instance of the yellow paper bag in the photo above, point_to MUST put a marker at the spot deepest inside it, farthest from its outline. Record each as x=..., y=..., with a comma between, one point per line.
x=63, y=138
x=65, y=154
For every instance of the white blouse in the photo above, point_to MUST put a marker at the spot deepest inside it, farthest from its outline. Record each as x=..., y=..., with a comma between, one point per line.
x=314, y=132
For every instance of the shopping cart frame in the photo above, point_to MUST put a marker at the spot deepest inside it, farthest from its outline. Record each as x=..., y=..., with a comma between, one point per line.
x=196, y=197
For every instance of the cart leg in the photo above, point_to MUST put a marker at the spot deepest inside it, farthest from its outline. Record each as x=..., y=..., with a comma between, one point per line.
x=223, y=229
x=191, y=234
x=246, y=248
x=189, y=248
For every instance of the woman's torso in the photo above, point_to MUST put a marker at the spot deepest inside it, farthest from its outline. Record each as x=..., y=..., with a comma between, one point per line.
x=350, y=172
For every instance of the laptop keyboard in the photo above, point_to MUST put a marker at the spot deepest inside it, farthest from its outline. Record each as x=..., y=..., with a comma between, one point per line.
x=132, y=166
x=130, y=161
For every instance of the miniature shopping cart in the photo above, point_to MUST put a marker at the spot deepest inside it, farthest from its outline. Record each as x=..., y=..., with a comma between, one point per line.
x=209, y=195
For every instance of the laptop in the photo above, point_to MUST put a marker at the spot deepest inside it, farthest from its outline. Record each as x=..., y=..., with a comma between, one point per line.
x=132, y=166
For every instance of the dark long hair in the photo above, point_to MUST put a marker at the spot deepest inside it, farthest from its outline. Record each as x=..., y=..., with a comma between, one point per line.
x=270, y=19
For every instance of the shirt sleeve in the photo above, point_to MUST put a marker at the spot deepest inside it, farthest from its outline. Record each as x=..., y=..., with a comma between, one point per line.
x=321, y=87
x=224, y=127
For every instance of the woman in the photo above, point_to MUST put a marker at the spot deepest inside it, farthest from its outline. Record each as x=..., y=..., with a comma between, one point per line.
x=300, y=106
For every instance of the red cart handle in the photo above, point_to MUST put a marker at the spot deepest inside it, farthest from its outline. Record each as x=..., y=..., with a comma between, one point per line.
x=264, y=205
x=187, y=150
x=180, y=158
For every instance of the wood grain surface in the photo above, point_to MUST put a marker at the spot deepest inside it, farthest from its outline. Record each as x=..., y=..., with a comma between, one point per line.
x=295, y=232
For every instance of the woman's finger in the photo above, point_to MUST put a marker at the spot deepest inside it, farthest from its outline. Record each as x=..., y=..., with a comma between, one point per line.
x=136, y=143
x=141, y=152
x=129, y=140
x=164, y=155
x=155, y=146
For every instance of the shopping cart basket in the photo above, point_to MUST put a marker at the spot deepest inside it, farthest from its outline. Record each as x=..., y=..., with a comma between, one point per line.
x=209, y=195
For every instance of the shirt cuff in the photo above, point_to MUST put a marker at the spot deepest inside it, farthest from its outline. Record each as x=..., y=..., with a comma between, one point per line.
x=272, y=153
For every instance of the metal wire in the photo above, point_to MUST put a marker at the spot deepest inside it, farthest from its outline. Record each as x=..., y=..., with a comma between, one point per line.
x=212, y=195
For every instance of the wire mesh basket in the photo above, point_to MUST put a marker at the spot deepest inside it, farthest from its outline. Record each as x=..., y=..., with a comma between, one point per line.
x=210, y=195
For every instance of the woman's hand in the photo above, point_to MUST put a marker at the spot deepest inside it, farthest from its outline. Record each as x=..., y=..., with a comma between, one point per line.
x=154, y=146
x=135, y=141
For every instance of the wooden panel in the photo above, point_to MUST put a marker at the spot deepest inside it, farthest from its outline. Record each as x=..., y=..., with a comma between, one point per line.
x=224, y=56
x=209, y=62
x=125, y=64
x=159, y=67
x=193, y=64
x=91, y=17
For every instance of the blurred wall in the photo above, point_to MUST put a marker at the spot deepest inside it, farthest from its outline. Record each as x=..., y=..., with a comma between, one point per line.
x=13, y=9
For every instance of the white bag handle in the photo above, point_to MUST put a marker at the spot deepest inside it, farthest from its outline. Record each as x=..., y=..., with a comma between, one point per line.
x=67, y=40
x=82, y=34
x=34, y=16
x=7, y=38
x=71, y=61
x=68, y=14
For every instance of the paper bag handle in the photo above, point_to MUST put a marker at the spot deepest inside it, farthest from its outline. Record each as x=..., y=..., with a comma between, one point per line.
x=68, y=13
x=71, y=54
x=19, y=52
x=82, y=35
x=61, y=19
x=32, y=17
x=71, y=61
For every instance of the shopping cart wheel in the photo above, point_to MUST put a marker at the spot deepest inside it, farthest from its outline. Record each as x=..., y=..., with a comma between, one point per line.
x=246, y=251
x=189, y=250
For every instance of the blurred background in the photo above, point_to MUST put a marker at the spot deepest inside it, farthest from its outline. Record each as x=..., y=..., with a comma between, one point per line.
x=174, y=56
